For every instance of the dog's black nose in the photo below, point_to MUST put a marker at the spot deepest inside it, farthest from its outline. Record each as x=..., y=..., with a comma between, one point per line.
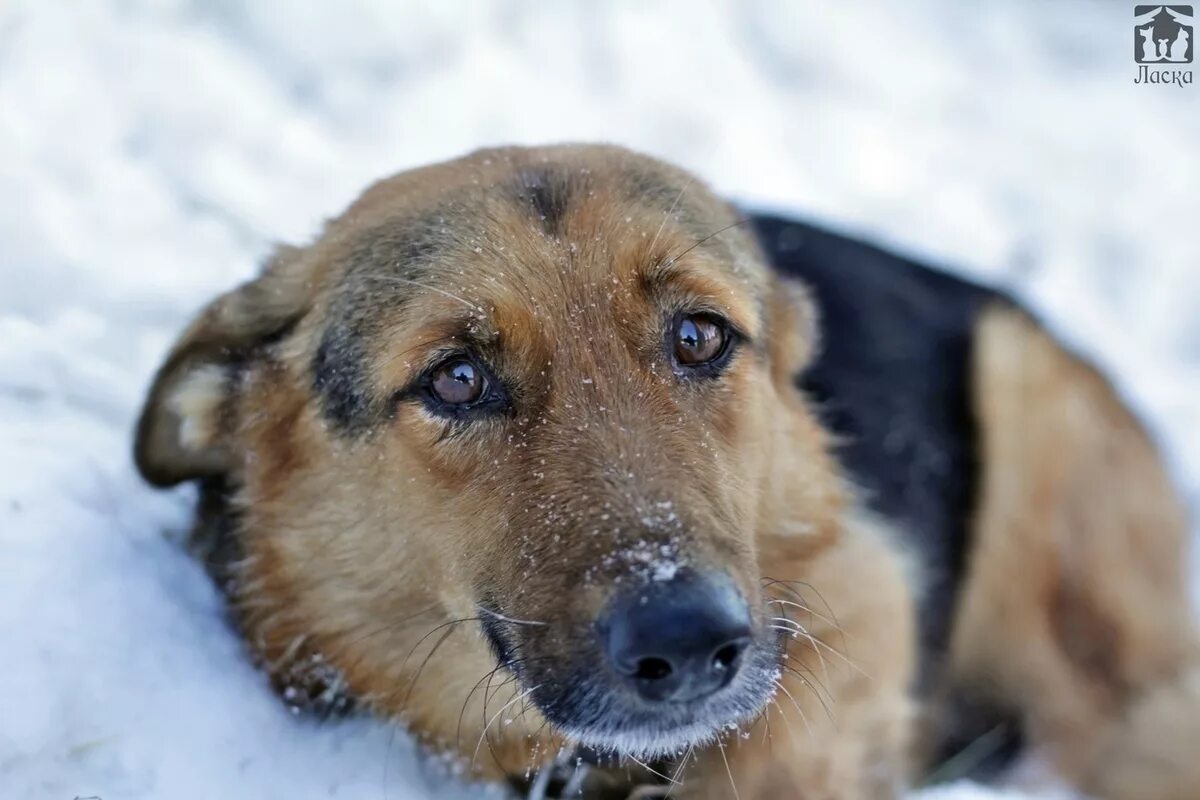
x=677, y=640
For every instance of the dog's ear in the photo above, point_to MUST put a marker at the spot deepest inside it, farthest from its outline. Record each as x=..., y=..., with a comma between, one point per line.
x=184, y=427
x=792, y=329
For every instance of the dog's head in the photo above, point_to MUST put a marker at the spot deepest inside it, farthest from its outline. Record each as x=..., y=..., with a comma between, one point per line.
x=528, y=410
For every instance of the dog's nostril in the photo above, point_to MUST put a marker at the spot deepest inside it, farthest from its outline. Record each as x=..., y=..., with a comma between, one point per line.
x=653, y=669
x=727, y=656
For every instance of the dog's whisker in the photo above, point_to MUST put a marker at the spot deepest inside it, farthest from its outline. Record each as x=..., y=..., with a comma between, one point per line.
x=452, y=624
x=648, y=768
x=820, y=643
x=392, y=626
x=732, y=782
x=510, y=665
x=789, y=585
x=488, y=695
x=791, y=656
x=462, y=712
x=421, y=669
x=813, y=684
x=800, y=631
x=525, y=705
x=797, y=630
x=808, y=610
x=803, y=716
x=807, y=676
x=703, y=239
x=666, y=216
x=503, y=618
x=782, y=716
x=765, y=715
x=817, y=642
x=677, y=774
x=812, y=613
x=495, y=717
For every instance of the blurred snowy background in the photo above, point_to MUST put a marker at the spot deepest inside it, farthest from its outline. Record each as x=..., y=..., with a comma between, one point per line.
x=151, y=151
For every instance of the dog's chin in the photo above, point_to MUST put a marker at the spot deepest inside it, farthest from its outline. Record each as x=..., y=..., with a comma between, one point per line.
x=612, y=723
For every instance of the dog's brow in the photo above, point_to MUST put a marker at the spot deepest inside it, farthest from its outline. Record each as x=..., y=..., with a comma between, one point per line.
x=382, y=266
x=658, y=192
x=397, y=246
x=710, y=284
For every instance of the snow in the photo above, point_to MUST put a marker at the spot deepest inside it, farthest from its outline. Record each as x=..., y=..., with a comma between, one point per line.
x=153, y=150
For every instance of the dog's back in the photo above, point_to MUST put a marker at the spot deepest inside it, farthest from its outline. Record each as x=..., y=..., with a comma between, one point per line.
x=1029, y=499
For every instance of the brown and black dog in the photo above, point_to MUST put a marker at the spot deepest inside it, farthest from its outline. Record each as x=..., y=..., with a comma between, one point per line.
x=555, y=458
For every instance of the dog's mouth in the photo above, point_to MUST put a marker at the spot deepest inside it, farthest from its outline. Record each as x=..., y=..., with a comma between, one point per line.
x=702, y=671
x=609, y=721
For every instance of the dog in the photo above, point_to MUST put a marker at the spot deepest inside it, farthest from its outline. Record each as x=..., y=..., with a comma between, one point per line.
x=553, y=456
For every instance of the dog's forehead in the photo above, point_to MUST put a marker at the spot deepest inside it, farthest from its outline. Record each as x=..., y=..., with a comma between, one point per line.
x=547, y=182
x=543, y=221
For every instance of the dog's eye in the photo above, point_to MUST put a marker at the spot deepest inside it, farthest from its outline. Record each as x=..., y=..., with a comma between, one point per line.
x=699, y=339
x=458, y=382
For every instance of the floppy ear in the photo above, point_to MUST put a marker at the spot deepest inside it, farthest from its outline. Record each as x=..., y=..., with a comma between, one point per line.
x=184, y=427
x=792, y=329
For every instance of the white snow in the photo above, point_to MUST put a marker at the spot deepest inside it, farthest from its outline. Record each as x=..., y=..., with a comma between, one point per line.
x=152, y=150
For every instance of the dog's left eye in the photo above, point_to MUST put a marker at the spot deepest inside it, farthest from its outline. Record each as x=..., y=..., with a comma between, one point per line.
x=458, y=382
x=699, y=340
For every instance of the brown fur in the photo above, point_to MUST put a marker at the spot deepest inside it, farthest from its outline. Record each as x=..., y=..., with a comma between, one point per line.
x=369, y=532
x=1075, y=611
x=841, y=725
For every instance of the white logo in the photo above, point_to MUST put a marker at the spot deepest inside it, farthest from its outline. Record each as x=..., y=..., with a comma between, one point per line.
x=1164, y=34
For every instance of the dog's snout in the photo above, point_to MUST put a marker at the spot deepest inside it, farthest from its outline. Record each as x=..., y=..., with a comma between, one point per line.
x=677, y=640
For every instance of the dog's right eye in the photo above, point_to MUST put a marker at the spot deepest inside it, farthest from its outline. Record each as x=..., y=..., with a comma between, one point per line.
x=459, y=387
x=458, y=382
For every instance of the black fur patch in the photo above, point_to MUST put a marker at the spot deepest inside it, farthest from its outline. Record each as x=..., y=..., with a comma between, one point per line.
x=976, y=738
x=384, y=266
x=214, y=540
x=547, y=192
x=892, y=380
x=340, y=378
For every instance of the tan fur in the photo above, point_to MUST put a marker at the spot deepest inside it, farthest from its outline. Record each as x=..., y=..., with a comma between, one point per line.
x=369, y=531
x=1075, y=611
x=840, y=727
